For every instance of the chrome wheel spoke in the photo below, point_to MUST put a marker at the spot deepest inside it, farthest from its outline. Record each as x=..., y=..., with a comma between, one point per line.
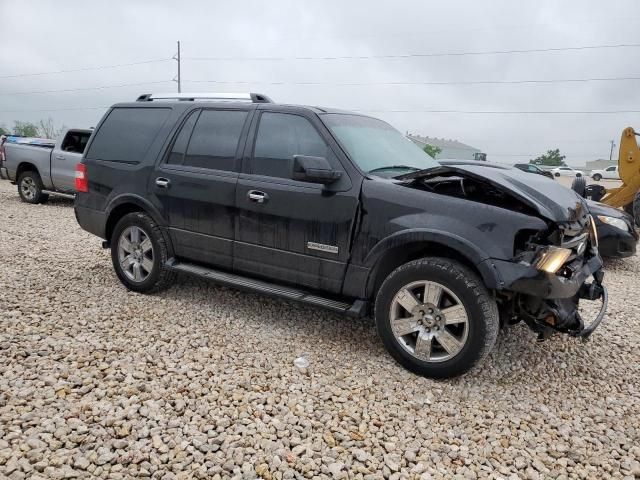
x=125, y=244
x=147, y=264
x=137, y=272
x=454, y=315
x=450, y=343
x=146, y=245
x=432, y=293
x=404, y=326
x=407, y=300
x=134, y=235
x=126, y=262
x=423, y=346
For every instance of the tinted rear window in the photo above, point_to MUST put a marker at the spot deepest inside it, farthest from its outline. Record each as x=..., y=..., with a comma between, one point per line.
x=127, y=134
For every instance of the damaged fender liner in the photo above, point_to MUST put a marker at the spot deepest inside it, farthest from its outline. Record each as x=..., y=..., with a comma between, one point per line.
x=526, y=279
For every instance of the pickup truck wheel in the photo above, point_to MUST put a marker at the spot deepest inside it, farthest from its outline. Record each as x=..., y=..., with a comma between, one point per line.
x=435, y=317
x=597, y=177
x=30, y=188
x=139, y=253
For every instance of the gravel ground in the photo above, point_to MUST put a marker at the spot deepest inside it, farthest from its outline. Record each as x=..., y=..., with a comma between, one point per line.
x=199, y=381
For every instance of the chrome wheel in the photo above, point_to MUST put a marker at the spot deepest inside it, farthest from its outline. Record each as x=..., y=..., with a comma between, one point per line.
x=135, y=254
x=28, y=188
x=429, y=321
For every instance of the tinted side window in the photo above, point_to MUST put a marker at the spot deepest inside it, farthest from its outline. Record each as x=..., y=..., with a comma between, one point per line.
x=75, y=142
x=127, y=134
x=280, y=137
x=215, y=138
x=176, y=157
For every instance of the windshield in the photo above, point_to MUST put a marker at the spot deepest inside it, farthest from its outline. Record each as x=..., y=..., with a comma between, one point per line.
x=376, y=146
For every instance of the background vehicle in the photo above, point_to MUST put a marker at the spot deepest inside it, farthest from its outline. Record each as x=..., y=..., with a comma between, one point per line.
x=566, y=172
x=608, y=173
x=338, y=210
x=530, y=168
x=626, y=196
x=45, y=167
x=617, y=237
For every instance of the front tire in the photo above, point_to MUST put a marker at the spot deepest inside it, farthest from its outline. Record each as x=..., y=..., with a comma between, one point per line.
x=30, y=188
x=139, y=253
x=436, y=318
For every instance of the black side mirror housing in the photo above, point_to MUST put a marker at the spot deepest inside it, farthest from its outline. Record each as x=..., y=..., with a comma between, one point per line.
x=314, y=170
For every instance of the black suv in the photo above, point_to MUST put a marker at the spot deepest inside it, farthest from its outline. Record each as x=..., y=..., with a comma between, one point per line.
x=338, y=210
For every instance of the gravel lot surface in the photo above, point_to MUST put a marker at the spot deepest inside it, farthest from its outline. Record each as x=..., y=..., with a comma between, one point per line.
x=199, y=381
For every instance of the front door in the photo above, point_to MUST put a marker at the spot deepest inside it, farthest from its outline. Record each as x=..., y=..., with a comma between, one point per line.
x=287, y=230
x=196, y=184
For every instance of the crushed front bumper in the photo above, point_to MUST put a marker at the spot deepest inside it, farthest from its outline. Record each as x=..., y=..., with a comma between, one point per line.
x=548, y=302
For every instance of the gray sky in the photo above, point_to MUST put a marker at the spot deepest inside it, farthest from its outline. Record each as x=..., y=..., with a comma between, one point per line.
x=46, y=36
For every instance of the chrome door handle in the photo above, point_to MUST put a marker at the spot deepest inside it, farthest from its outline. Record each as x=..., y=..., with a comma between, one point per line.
x=162, y=182
x=257, y=196
x=60, y=157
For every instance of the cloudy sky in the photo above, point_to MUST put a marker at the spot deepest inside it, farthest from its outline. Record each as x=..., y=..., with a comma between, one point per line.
x=294, y=51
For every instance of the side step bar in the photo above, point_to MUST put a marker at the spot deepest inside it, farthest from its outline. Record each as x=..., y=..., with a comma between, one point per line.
x=59, y=194
x=355, y=309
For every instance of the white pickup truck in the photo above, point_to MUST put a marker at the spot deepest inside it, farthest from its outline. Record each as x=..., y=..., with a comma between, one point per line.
x=43, y=167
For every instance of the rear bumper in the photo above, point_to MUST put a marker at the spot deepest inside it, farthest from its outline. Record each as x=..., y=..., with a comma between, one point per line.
x=93, y=221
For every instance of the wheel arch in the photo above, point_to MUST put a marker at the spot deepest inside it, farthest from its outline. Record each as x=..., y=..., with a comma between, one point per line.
x=124, y=205
x=399, y=249
x=26, y=167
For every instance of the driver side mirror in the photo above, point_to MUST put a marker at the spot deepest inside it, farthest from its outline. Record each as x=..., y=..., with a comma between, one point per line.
x=314, y=170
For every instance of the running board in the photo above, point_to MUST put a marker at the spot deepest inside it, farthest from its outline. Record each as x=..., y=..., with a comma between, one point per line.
x=59, y=194
x=355, y=309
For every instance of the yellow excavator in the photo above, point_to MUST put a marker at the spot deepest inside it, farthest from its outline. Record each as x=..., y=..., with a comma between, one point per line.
x=626, y=196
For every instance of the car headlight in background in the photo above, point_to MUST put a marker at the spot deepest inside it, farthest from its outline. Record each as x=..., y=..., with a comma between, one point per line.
x=614, y=222
x=551, y=259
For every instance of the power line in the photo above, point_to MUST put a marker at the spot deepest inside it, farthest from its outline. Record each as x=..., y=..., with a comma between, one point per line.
x=505, y=112
x=454, y=82
x=85, y=69
x=102, y=87
x=419, y=55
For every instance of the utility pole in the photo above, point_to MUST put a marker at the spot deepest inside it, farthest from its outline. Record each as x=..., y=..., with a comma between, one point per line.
x=613, y=145
x=177, y=58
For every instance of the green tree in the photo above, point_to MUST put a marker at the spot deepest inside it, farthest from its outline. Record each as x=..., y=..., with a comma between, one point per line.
x=431, y=150
x=26, y=129
x=4, y=131
x=550, y=159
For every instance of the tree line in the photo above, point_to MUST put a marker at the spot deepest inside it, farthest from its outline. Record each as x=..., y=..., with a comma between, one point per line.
x=43, y=128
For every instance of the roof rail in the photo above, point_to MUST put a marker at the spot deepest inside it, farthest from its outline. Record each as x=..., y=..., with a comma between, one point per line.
x=242, y=97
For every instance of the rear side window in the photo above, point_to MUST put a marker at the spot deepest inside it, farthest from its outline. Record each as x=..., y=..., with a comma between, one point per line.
x=127, y=134
x=214, y=140
x=75, y=142
x=280, y=137
x=176, y=157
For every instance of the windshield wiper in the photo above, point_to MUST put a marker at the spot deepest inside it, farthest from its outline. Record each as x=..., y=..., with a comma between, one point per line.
x=394, y=167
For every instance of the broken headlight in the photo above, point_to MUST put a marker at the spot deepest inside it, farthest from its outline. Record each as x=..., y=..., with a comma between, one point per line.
x=550, y=259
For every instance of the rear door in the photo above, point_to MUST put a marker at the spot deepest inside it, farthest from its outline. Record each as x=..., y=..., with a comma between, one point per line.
x=196, y=182
x=611, y=172
x=65, y=158
x=288, y=230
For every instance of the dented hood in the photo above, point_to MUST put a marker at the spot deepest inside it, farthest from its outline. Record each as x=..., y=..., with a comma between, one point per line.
x=550, y=199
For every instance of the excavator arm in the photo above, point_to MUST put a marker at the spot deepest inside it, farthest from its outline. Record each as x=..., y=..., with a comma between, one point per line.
x=629, y=170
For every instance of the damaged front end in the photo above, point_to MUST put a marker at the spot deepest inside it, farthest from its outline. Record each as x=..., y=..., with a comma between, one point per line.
x=551, y=275
x=552, y=269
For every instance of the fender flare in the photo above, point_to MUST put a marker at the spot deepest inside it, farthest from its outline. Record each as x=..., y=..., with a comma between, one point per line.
x=464, y=247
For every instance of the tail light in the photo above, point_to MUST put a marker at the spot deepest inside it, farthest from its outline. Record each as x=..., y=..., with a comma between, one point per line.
x=82, y=181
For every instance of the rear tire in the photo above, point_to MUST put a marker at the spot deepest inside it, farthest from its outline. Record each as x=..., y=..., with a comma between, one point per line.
x=636, y=209
x=437, y=335
x=597, y=177
x=556, y=174
x=579, y=185
x=30, y=188
x=139, y=253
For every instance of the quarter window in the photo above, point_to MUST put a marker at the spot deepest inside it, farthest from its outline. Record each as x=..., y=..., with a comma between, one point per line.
x=214, y=140
x=280, y=137
x=176, y=157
